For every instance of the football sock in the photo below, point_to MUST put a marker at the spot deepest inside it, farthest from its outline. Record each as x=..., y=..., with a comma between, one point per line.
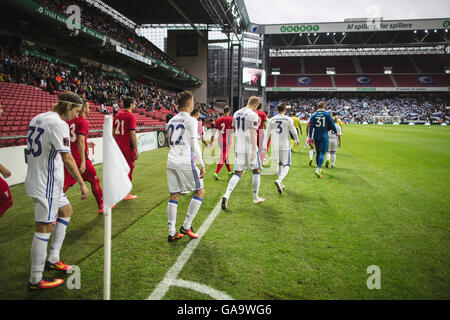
x=172, y=216
x=320, y=159
x=311, y=154
x=256, y=182
x=97, y=192
x=284, y=172
x=219, y=167
x=58, y=235
x=333, y=159
x=192, y=210
x=233, y=182
x=38, y=255
x=328, y=156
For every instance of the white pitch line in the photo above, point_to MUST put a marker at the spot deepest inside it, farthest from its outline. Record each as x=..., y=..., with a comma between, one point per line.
x=171, y=275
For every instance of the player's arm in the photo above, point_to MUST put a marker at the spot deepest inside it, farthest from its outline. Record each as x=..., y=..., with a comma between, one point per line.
x=310, y=127
x=70, y=164
x=254, y=136
x=267, y=135
x=134, y=142
x=293, y=131
x=5, y=172
x=82, y=151
x=193, y=142
x=300, y=126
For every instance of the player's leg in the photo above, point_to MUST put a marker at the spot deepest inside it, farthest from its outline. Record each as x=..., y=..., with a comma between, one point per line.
x=255, y=165
x=58, y=235
x=90, y=175
x=130, y=160
x=333, y=159
x=227, y=159
x=175, y=187
x=221, y=161
x=193, y=208
x=328, y=157
x=5, y=197
x=239, y=164
x=45, y=213
x=311, y=154
x=321, y=147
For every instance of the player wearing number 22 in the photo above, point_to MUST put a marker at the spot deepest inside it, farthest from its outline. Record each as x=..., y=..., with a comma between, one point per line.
x=182, y=173
x=125, y=134
x=79, y=128
x=319, y=125
x=48, y=150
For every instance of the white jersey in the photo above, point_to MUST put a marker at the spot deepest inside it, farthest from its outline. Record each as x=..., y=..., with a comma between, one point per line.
x=279, y=128
x=244, y=121
x=48, y=136
x=334, y=135
x=183, y=141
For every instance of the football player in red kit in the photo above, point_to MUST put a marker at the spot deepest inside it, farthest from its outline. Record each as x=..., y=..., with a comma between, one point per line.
x=223, y=125
x=5, y=195
x=262, y=126
x=124, y=127
x=79, y=128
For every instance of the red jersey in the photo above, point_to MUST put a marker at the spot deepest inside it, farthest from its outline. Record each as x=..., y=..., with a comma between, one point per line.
x=223, y=124
x=262, y=117
x=77, y=126
x=123, y=122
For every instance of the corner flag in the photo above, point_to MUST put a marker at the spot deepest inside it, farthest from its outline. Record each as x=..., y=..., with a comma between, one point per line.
x=116, y=185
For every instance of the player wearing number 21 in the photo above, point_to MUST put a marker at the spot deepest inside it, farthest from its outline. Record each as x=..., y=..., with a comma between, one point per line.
x=319, y=125
x=182, y=173
x=124, y=131
x=48, y=150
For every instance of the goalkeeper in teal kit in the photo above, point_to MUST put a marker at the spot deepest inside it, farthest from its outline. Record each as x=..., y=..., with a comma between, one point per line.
x=319, y=125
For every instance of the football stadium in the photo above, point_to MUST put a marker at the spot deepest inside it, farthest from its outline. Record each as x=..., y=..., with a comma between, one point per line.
x=181, y=150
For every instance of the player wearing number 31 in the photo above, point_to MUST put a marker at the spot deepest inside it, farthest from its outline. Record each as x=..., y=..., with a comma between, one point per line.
x=48, y=151
x=319, y=125
x=124, y=131
x=182, y=173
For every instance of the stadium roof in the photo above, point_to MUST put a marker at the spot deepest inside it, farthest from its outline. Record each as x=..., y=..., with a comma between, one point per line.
x=229, y=14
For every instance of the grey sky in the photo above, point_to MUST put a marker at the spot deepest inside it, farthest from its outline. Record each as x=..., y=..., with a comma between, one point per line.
x=296, y=11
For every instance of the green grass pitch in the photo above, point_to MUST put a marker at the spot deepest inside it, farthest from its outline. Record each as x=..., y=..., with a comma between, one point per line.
x=386, y=203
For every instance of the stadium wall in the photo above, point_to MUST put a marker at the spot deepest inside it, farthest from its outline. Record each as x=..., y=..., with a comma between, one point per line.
x=189, y=50
x=13, y=158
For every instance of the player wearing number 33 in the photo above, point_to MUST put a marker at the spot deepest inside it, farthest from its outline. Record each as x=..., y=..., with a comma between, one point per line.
x=182, y=173
x=319, y=125
x=48, y=151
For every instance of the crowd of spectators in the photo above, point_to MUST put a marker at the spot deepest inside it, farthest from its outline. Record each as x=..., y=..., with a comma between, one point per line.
x=98, y=20
x=89, y=82
x=363, y=108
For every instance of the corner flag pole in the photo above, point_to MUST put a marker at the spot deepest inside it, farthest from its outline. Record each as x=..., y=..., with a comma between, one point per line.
x=107, y=257
x=116, y=185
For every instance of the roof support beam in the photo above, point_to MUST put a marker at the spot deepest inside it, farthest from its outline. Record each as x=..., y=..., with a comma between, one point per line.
x=186, y=18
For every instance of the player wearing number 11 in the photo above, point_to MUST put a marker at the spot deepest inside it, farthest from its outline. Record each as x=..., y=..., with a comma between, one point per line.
x=124, y=131
x=319, y=125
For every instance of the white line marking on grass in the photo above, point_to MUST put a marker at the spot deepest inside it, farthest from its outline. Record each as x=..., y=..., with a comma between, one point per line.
x=170, y=279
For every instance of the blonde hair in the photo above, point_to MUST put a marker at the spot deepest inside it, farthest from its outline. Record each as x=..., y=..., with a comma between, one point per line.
x=253, y=101
x=321, y=105
x=67, y=101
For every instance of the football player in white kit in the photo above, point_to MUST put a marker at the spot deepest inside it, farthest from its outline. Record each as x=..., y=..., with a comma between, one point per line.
x=279, y=129
x=246, y=155
x=48, y=150
x=182, y=173
x=333, y=139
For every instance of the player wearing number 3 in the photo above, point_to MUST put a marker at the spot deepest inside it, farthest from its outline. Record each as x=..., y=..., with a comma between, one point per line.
x=319, y=125
x=79, y=128
x=182, y=173
x=48, y=150
x=124, y=131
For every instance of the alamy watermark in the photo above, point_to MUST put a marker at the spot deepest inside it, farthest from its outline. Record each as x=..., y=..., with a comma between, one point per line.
x=374, y=280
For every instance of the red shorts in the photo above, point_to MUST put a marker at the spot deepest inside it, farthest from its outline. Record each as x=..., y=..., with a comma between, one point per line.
x=5, y=194
x=90, y=175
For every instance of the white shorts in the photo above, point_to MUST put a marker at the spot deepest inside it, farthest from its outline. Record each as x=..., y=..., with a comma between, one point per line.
x=184, y=180
x=282, y=157
x=242, y=162
x=332, y=145
x=45, y=210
